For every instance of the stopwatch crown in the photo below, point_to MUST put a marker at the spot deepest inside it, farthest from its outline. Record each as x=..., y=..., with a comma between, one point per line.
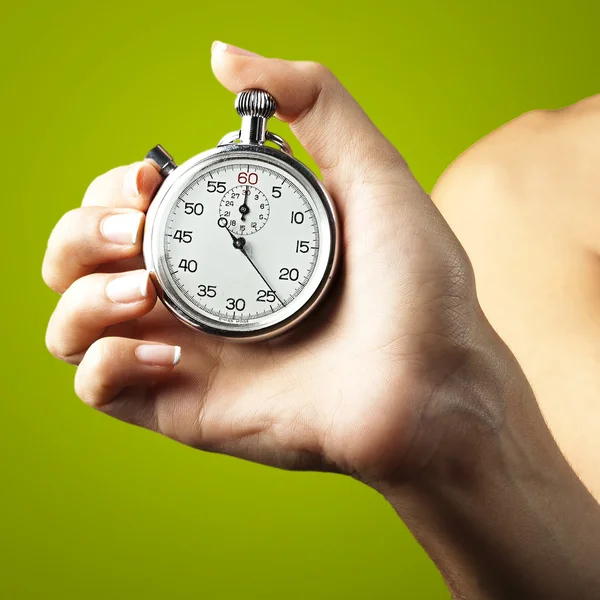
x=255, y=103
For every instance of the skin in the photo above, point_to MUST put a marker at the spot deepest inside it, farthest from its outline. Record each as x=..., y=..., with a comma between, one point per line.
x=418, y=398
x=525, y=203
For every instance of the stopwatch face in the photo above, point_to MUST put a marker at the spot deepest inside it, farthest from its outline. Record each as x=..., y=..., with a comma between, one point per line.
x=242, y=242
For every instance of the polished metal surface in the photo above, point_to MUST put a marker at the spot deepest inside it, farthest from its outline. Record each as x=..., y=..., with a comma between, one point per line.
x=255, y=103
x=153, y=244
x=162, y=160
x=233, y=137
x=255, y=107
x=280, y=142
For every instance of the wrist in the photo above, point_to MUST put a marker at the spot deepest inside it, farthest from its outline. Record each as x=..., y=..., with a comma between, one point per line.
x=491, y=498
x=467, y=412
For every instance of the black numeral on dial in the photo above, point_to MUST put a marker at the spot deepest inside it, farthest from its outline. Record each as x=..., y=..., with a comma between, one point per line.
x=193, y=209
x=207, y=290
x=233, y=304
x=183, y=236
x=216, y=186
x=188, y=265
x=276, y=191
x=265, y=296
x=289, y=274
x=297, y=218
x=302, y=247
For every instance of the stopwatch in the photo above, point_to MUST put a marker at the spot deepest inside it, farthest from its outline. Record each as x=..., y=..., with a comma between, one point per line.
x=241, y=241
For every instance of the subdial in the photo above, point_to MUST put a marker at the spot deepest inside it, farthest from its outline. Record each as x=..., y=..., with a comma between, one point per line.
x=246, y=209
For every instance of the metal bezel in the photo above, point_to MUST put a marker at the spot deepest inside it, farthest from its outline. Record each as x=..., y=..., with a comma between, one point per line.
x=155, y=264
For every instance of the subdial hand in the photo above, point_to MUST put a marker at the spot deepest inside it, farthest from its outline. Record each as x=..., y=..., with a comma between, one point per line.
x=240, y=244
x=244, y=208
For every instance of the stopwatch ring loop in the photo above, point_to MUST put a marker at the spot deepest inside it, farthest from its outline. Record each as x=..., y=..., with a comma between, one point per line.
x=279, y=141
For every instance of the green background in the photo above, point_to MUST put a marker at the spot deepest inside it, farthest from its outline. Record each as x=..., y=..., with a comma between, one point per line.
x=92, y=508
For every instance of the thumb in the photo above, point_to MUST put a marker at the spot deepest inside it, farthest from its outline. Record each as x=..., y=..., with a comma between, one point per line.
x=325, y=118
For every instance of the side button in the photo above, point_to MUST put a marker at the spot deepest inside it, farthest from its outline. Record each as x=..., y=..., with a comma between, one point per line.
x=162, y=160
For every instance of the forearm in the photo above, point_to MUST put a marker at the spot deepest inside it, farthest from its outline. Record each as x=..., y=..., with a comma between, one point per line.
x=498, y=508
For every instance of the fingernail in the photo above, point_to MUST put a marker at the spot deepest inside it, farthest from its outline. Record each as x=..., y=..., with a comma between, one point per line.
x=122, y=228
x=158, y=355
x=222, y=47
x=132, y=287
x=131, y=181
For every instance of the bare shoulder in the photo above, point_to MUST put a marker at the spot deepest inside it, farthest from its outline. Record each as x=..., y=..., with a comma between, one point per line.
x=525, y=203
x=545, y=161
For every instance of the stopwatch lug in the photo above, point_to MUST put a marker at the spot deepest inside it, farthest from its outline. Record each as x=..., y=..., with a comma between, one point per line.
x=162, y=161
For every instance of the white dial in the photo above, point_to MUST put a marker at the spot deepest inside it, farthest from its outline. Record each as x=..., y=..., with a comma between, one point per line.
x=241, y=241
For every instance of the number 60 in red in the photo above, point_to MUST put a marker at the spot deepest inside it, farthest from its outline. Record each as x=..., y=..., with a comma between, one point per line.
x=251, y=178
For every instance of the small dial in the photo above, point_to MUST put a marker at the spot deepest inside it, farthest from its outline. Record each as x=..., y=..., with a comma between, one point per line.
x=246, y=209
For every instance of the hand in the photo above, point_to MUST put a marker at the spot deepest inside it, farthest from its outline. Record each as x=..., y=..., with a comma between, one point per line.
x=348, y=391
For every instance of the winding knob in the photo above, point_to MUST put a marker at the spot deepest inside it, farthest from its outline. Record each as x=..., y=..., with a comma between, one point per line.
x=255, y=103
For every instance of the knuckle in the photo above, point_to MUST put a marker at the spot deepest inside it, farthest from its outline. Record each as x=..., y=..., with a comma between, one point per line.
x=81, y=290
x=60, y=247
x=50, y=277
x=82, y=388
x=95, y=185
x=56, y=346
x=97, y=357
x=101, y=186
x=317, y=70
x=52, y=344
x=61, y=238
x=319, y=80
x=94, y=367
x=386, y=156
x=62, y=228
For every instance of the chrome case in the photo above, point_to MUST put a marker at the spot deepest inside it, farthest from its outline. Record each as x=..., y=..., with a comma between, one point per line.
x=252, y=137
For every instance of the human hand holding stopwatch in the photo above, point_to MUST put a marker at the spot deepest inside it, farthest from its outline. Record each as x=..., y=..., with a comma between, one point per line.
x=242, y=242
x=395, y=378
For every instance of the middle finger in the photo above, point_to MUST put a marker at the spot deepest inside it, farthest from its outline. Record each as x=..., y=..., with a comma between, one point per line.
x=88, y=237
